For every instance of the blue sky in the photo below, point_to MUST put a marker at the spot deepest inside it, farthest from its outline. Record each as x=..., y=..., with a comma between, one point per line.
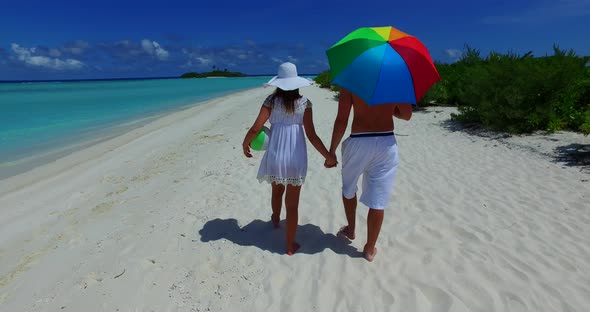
x=107, y=39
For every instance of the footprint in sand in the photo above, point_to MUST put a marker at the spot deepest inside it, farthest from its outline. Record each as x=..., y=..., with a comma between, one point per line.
x=103, y=208
x=465, y=236
x=214, y=138
x=208, y=173
x=141, y=178
x=113, y=179
x=120, y=190
x=170, y=157
x=24, y=265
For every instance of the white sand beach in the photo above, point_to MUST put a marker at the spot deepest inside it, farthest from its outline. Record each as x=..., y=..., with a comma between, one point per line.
x=170, y=217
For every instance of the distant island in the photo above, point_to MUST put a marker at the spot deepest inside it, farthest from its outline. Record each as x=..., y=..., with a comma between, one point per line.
x=214, y=73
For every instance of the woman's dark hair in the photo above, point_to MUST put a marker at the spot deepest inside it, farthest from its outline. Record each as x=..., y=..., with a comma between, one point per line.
x=288, y=98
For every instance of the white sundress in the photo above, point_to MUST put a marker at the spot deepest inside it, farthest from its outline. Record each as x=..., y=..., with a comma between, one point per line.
x=285, y=159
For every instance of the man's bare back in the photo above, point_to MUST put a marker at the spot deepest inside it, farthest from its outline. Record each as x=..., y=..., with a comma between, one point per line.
x=376, y=118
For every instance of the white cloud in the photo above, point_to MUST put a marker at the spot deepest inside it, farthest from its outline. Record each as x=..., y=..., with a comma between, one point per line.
x=193, y=56
x=27, y=56
x=153, y=48
x=203, y=60
x=54, y=53
x=240, y=54
x=147, y=45
x=124, y=43
x=276, y=60
x=455, y=54
x=188, y=64
x=291, y=59
x=76, y=48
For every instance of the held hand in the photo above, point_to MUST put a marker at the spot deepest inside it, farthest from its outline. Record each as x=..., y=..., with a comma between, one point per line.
x=331, y=161
x=246, y=149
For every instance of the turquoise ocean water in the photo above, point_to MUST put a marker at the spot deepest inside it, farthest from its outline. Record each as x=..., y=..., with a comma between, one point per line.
x=41, y=121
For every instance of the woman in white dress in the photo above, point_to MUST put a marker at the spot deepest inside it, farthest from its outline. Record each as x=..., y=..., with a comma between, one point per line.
x=284, y=164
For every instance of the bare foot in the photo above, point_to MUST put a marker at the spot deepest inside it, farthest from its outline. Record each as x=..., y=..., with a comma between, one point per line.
x=275, y=221
x=369, y=255
x=293, y=249
x=345, y=232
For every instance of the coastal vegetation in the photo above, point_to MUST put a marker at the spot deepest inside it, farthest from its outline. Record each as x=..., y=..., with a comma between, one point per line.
x=513, y=93
x=324, y=80
x=216, y=72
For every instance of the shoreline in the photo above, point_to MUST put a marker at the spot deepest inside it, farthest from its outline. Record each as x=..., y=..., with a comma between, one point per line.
x=42, y=156
x=39, y=140
x=56, y=160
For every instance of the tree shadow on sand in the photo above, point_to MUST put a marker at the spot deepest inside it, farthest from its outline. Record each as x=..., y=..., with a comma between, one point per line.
x=262, y=235
x=574, y=155
x=473, y=128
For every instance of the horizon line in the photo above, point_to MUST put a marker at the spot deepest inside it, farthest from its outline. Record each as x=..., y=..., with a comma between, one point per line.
x=120, y=78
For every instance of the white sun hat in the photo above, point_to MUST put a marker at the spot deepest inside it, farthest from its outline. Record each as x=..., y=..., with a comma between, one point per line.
x=287, y=78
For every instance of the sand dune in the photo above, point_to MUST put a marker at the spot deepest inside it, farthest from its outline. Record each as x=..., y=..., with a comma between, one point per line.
x=170, y=217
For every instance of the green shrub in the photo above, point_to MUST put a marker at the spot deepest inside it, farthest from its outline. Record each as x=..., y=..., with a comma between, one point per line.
x=517, y=94
x=439, y=92
x=323, y=79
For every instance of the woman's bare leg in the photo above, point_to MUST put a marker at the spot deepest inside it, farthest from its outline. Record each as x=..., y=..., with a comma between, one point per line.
x=276, y=203
x=292, y=205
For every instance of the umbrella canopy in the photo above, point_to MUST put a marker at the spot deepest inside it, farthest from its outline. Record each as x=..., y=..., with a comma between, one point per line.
x=382, y=65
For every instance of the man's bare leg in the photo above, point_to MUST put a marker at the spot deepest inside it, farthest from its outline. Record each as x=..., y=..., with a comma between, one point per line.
x=374, y=221
x=350, y=211
x=276, y=203
x=292, y=205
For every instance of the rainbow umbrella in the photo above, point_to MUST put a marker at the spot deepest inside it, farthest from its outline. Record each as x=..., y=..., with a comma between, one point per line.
x=382, y=65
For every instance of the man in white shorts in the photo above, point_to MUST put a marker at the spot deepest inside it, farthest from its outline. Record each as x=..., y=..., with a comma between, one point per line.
x=370, y=151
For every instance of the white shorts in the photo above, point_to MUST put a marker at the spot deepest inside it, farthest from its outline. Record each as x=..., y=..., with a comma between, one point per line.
x=376, y=158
